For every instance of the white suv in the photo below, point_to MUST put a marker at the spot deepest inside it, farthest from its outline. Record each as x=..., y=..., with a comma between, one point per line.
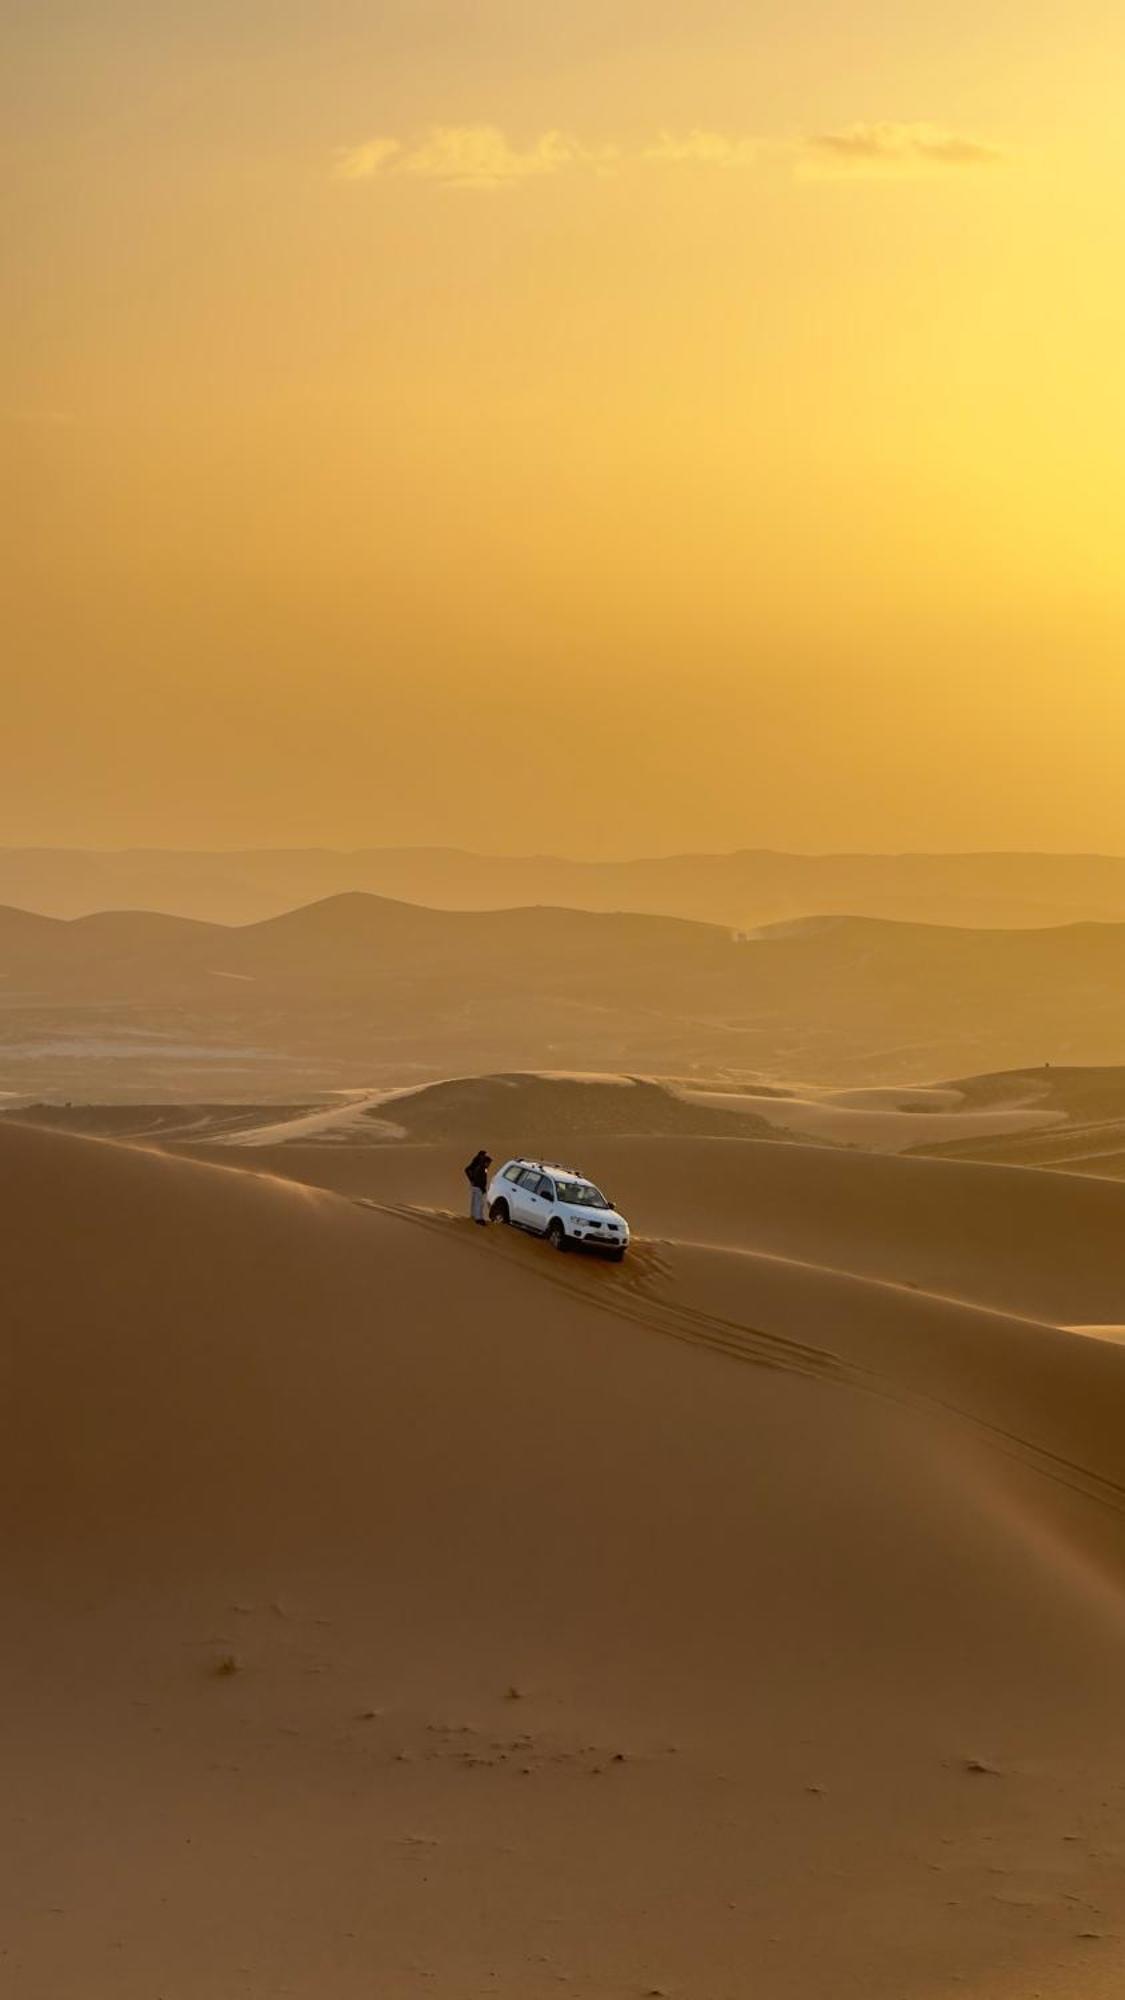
x=555, y=1202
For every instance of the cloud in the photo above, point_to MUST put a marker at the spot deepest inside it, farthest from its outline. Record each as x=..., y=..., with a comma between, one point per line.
x=895, y=150
x=362, y=163
x=711, y=149
x=482, y=156
x=462, y=156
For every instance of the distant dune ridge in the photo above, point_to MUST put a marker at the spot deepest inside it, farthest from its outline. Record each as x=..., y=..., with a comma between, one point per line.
x=521, y=1110
x=395, y=1609
x=754, y=886
x=1083, y=1130
x=358, y=989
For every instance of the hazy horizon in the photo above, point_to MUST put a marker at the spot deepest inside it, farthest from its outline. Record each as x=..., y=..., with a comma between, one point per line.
x=621, y=858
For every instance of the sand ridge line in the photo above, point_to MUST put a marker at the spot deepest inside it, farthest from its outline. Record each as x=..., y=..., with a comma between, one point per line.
x=758, y=1348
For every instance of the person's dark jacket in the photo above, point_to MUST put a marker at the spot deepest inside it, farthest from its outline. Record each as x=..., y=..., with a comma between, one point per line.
x=476, y=1173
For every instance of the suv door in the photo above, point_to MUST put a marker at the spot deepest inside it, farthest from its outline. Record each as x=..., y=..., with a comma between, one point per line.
x=523, y=1200
x=546, y=1202
x=536, y=1197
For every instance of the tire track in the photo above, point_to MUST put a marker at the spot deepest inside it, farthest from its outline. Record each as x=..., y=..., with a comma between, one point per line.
x=628, y=1293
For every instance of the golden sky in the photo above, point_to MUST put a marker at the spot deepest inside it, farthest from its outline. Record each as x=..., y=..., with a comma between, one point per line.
x=602, y=428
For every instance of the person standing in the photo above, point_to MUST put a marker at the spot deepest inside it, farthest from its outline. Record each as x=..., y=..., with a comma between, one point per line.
x=476, y=1173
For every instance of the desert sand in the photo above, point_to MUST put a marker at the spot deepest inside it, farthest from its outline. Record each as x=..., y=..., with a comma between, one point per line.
x=1085, y=1136
x=886, y=1120
x=1004, y=1115
x=398, y=1609
x=882, y=1120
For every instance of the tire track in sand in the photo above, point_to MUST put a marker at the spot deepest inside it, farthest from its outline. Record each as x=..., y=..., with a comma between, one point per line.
x=629, y=1292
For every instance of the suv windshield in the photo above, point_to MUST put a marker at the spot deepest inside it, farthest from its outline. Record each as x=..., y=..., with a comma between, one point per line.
x=581, y=1194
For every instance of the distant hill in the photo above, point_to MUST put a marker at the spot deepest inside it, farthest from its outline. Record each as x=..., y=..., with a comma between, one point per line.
x=361, y=991
x=743, y=889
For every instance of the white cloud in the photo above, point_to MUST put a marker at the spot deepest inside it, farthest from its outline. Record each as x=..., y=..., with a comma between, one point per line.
x=462, y=156
x=890, y=149
x=712, y=149
x=482, y=156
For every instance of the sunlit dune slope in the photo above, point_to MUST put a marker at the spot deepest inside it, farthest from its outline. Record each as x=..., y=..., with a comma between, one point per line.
x=424, y=1614
x=883, y=1119
x=537, y=1111
x=533, y=1110
x=1043, y=1245
x=520, y=1111
x=1087, y=1120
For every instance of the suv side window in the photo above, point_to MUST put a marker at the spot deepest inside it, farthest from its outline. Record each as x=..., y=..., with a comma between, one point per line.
x=547, y=1189
x=512, y=1173
x=528, y=1177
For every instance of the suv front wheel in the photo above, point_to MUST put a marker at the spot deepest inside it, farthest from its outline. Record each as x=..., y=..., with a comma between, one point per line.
x=556, y=1235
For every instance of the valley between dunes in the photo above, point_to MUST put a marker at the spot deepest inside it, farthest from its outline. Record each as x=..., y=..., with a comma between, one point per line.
x=393, y=1608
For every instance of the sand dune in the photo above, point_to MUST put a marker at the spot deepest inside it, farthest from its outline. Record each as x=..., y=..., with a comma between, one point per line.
x=535, y=1110
x=744, y=888
x=1087, y=1130
x=522, y=1112
x=401, y=1610
x=358, y=990
x=1041, y=1245
x=1054, y=1115
x=884, y=1120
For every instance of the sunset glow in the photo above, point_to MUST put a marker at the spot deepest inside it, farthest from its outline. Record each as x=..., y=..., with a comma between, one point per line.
x=585, y=429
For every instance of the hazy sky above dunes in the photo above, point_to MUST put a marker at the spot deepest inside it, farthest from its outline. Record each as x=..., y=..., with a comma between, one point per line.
x=594, y=427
